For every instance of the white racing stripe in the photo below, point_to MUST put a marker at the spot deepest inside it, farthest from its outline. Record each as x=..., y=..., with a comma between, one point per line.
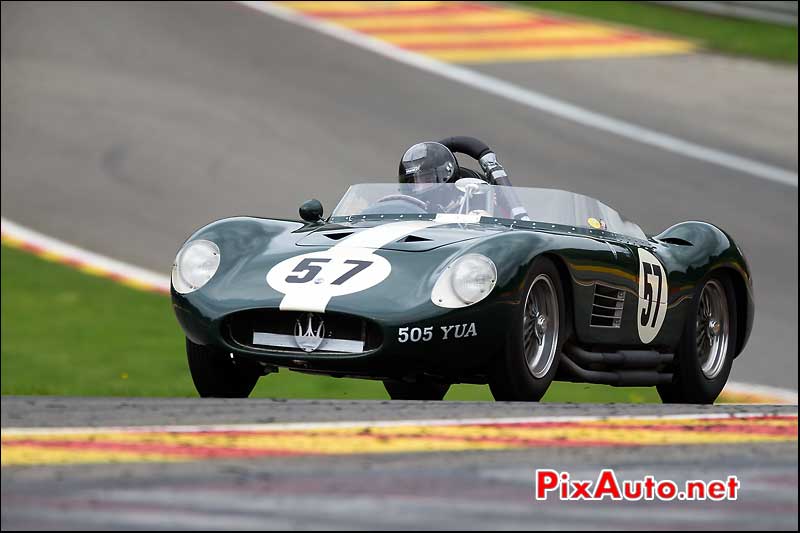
x=381, y=235
x=334, y=263
x=217, y=428
x=533, y=99
x=313, y=296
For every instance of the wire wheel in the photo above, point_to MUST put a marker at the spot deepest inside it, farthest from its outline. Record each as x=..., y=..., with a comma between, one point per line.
x=540, y=326
x=713, y=329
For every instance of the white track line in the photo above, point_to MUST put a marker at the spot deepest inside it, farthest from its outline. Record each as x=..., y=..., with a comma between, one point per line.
x=304, y=426
x=532, y=99
x=778, y=395
x=161, y=282
x=67, y=251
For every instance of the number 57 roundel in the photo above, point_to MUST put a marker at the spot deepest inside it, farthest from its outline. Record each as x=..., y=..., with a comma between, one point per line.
x=653, y=292
x=309, y=281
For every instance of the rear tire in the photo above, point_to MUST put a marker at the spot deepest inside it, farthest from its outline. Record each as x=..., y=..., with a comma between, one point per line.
x=528, y=364
x=400, y=390
x=707, y=347
x=217, y=375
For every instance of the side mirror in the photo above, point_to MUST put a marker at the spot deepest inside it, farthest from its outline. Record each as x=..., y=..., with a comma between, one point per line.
x=311, y=211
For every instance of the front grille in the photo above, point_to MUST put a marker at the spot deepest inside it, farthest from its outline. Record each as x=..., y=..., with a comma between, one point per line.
x=278, y=328
x=607, y=307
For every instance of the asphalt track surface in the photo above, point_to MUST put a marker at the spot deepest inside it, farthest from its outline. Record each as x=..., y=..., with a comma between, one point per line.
x=465, y=490
x=127, y=126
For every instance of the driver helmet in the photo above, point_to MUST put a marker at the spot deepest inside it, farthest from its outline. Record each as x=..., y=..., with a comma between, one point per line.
x=426, y=164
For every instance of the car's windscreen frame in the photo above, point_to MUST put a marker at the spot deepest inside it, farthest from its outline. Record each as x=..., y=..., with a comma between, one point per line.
x=541, y=205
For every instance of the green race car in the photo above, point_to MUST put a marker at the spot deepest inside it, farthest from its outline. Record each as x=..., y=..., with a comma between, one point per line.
x=457, y=277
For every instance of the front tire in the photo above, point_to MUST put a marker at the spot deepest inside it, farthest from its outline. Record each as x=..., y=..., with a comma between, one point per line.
x=400, y=390
x=528, y=365
x=708, y=345
x=217, y=375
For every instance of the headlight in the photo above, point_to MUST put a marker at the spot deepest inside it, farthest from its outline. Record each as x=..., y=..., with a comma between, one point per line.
x=467, y=280
x=196, y=263
x=473, y=278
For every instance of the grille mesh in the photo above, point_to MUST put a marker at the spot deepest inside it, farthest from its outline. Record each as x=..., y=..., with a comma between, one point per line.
x=241, y=326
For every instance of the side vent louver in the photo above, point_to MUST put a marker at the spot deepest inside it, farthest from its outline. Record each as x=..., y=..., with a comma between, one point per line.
x=607, y=307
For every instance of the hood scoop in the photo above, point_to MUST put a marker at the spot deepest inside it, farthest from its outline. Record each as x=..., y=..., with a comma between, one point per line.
x=414, y=238
x=338, y=235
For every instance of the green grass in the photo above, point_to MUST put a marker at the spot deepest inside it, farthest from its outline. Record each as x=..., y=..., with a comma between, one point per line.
x=69, y=333
x=723, y=34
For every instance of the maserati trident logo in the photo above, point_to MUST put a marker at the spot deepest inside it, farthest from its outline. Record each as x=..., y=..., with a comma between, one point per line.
x=309, y=333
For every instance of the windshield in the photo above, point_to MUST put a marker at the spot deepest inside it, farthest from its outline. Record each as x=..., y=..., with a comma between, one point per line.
x=474, y=197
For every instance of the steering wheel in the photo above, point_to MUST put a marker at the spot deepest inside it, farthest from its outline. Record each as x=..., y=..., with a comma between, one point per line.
x=416, y=201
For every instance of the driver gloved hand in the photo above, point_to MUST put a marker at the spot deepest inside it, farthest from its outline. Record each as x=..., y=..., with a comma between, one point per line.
x=494, y=170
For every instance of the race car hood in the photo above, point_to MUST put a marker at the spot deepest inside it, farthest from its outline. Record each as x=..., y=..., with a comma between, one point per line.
x=412, y=236
x=261, y=264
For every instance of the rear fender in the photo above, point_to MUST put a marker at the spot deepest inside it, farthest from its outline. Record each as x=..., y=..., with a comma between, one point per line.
x=692, y=251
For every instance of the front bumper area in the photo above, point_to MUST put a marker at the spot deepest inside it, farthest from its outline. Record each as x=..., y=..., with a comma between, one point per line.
x=442, y=342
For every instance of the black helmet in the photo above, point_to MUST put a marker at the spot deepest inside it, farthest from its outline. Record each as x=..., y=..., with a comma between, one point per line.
x=428, y=163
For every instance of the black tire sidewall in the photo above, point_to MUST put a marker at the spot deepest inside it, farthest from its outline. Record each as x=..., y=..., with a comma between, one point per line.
x=512, y=379
x=690, y=385
x=400, y=390
x=216, y=375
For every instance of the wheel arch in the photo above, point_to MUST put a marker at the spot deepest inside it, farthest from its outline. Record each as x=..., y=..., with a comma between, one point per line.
x=744, y=306
x=718, y=254
x=566, y=288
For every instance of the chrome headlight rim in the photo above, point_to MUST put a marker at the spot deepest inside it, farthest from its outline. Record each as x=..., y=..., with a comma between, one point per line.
x=460, y=264
x=181, y=276
x=446, y=291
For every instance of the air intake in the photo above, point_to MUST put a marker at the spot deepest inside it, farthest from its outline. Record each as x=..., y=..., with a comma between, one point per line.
x=415, y=238
x=607, y=307
x=338, y=236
